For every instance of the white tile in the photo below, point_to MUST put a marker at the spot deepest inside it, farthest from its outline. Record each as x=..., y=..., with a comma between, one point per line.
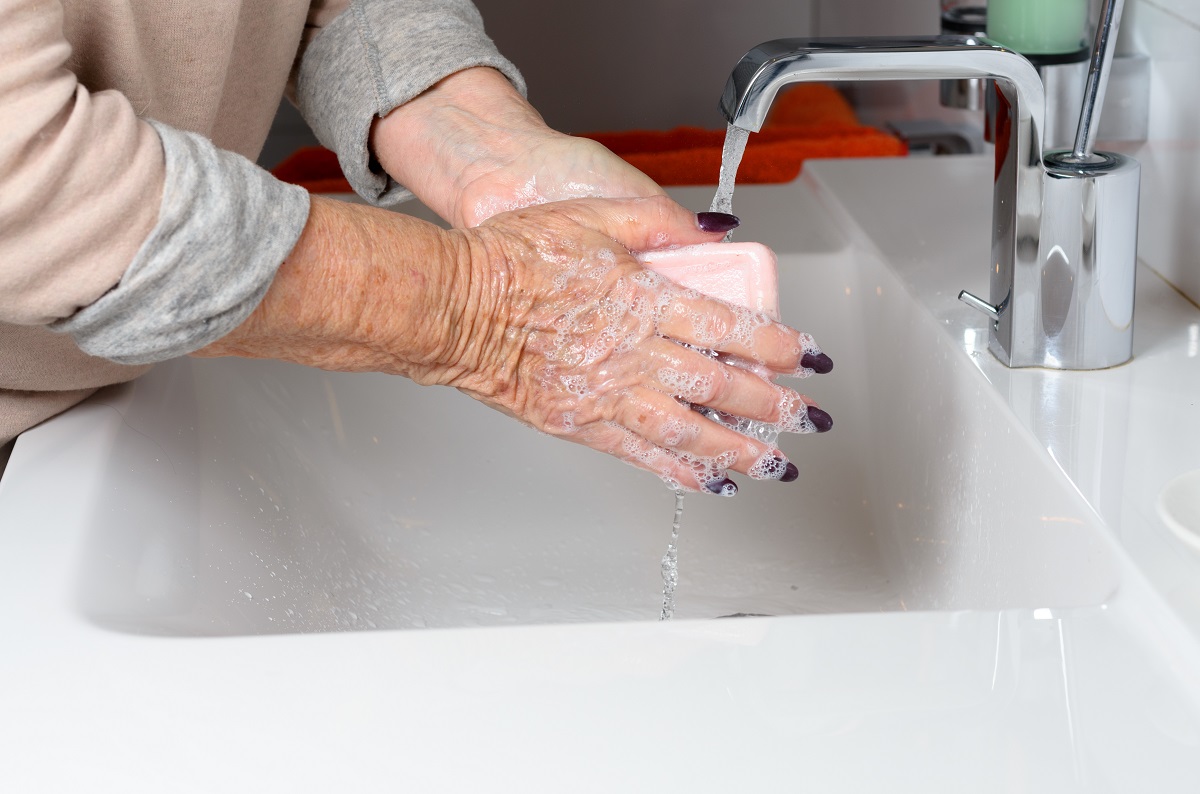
x=1184, y=11
x=1174, y=50
x=1169, y=235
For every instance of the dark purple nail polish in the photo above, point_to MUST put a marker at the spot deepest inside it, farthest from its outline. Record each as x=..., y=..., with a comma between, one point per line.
x=717, y=222
x=818, y=363
x=725, y=487
x=821, y=420
x=790, y=473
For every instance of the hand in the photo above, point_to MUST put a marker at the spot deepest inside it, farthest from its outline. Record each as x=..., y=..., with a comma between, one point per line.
x=543, y=314
x=472, y=147
x=580, y=342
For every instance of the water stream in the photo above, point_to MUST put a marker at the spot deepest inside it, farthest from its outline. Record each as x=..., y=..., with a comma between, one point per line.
x=670, y=562
x=731, y=158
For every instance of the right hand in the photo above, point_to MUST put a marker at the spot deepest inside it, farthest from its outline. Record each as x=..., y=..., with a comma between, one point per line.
x=573, y=337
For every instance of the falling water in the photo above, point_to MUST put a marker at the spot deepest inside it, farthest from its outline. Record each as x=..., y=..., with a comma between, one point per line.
x=670, y=562
x=731, y=158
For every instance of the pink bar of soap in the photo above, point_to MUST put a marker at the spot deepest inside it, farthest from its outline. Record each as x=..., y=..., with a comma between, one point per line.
x=740, y=273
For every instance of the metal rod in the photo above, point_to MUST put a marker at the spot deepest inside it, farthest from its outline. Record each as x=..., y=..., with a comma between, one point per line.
x=1097, y=80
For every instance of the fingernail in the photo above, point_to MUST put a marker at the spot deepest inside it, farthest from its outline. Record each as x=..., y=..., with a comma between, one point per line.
x=790, y=473
x=818, y=362
x=821, y=420
x=725, y=487
x=717, y=222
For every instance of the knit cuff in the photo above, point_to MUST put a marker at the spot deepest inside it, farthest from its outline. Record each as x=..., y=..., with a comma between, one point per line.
x=376, y=56
x=224, y=227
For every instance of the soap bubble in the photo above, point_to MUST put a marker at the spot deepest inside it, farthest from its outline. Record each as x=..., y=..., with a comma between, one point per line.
x=768, y=467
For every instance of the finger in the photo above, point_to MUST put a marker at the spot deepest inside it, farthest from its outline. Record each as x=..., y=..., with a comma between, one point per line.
x=676, y=470
x=713, y=324
x=701, y=380
x=739, y=394
x=708, y=447
x=796, y=415
x=645, y=224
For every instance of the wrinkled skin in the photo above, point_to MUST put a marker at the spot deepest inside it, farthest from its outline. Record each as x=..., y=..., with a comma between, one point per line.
x=584, y=344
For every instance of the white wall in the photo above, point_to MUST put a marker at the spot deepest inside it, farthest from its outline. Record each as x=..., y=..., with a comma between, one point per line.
x=656, y=64
x=1169, y=236
x=623, y=64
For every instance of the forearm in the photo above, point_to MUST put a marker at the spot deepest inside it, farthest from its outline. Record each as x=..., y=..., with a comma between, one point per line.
x=362, y=290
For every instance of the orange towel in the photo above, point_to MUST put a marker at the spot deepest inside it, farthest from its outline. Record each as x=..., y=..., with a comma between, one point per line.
x=807, y=120
x=313, y=168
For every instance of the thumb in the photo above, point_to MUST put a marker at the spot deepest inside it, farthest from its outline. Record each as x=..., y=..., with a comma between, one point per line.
x=644, y=224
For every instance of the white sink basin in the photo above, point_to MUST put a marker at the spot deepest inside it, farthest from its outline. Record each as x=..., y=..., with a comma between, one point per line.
x=142, y=531
x=247, y=497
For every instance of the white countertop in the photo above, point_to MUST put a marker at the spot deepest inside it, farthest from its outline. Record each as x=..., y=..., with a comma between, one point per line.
x=1103, y=698
x=1121, y=435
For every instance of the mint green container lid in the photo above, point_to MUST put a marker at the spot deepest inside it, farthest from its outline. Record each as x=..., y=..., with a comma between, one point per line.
x=1039, y=27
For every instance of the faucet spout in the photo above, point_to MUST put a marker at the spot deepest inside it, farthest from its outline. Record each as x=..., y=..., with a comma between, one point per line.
x=1057, y=299
x=770, y=66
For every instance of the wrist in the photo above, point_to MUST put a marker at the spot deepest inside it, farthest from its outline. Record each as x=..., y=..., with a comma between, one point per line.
x=469, y=124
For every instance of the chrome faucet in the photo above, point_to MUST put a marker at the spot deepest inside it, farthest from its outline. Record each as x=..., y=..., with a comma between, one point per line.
x=1064, y=224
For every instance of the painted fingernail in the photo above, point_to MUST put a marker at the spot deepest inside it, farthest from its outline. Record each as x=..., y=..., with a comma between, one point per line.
x=725, y=487
x=818, y=362
x=717, y=222
x=821, y=420
x=790, y=473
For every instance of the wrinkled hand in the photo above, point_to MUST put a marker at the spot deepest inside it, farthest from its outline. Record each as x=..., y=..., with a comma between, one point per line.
x=472, y=147
x=572, y=336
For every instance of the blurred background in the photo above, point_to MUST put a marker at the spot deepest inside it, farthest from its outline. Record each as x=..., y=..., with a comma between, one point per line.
x=658, y=64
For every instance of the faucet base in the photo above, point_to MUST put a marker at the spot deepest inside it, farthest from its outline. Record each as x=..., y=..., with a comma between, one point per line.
x=1072, y=307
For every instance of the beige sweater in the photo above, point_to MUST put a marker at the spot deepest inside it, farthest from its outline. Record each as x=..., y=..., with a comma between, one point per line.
x=81, y=176
x=82, y=172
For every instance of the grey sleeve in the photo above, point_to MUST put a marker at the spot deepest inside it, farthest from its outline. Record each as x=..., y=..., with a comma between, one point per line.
x=224, y=227
x=377, y=55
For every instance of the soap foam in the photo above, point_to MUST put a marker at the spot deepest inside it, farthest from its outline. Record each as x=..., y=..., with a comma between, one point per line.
x=689, y=386
x=768, y=467
x=808, y=345
x=701, y=470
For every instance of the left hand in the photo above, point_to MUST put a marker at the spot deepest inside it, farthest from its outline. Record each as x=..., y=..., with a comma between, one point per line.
x=472, y=147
